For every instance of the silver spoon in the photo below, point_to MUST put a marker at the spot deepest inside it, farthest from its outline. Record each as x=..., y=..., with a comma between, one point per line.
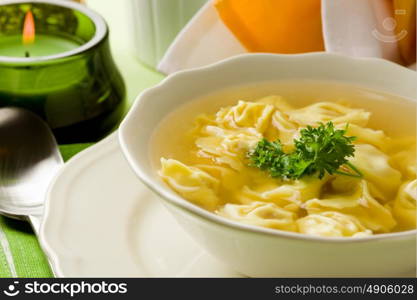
x=29, y=159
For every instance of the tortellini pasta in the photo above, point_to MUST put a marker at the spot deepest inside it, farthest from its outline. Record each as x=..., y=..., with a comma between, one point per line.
x=326, y=111
x=247, y=115
x=375, y=166
x=290, y=195
x=192, y=183
x=360, y=204
x=404, y=157
x=404, y=208
x=332, y=224
x=376, y=138
x=217, y=174
x=260, y=213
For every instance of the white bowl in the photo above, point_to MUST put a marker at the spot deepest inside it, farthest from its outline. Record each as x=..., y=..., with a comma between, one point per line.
x=256, y=251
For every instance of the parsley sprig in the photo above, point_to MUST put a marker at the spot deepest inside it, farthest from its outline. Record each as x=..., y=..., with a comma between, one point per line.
x=317, y=151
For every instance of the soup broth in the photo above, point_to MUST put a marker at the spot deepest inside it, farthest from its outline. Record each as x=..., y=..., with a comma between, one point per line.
x=395, y=115
x=205, y=144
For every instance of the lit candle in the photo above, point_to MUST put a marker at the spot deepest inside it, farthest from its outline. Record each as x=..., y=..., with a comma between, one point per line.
x=55, y=60
x=30, y=44
x=44, y=46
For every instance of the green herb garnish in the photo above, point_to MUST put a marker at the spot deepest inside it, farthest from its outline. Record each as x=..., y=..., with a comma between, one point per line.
x=317, y=151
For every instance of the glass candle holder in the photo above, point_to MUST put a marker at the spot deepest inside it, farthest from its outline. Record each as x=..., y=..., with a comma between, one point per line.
x=65, y=73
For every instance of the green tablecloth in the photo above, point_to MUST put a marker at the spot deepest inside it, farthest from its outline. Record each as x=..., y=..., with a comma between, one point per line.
x=20, y=253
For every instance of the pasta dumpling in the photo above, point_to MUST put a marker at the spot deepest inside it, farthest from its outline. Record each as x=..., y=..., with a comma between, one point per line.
x=327, y=111
x=261, y=214
x=227, y=177
x=246, y=114
x=277, y=101
x=360, y=204
x=291, y=194
x=369, y=136
x=404, y=208
x=286, y=131
x=226, y=146
x=332, y=224
x=191, y=183
x=404, y=157
x=374, y=164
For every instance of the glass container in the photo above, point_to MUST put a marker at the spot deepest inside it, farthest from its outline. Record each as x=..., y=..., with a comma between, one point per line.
x=154, y=24
x=66, y=73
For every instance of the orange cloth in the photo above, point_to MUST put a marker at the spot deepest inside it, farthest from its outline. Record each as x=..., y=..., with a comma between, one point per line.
x=405, y=16
x=278, y=26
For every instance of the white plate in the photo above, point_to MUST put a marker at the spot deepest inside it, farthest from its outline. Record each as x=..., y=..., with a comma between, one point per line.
x=100, y=221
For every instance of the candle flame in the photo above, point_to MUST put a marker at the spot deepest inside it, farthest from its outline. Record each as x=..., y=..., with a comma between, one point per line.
x=28, y=29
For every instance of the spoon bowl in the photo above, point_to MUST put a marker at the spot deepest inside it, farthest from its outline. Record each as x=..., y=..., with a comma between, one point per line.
x=29, y=159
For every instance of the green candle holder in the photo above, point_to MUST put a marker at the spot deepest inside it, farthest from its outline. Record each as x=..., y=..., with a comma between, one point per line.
x=67, y=75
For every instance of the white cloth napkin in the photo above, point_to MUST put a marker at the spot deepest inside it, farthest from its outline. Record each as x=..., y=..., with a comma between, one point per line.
x=362, y=28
